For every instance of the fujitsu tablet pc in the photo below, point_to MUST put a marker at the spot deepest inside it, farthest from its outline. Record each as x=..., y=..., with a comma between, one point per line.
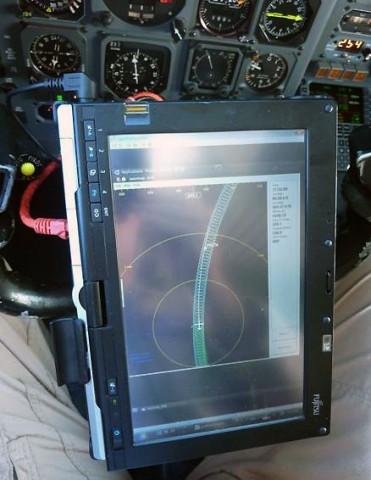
x=202, y=245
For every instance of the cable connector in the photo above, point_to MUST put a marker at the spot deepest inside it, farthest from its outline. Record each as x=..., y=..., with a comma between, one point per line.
x=46, y=226
x=52, y=226
x=74, y=82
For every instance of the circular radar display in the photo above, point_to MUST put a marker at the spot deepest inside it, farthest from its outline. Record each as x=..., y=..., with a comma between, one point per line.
x=56, y=7
x=129, y=70
x=212, y=68
x=284, y=18
x=266, y=72
x=224, y=17
x=54, y=55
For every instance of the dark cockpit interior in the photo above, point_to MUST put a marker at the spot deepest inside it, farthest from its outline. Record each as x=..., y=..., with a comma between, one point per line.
x=161, y=49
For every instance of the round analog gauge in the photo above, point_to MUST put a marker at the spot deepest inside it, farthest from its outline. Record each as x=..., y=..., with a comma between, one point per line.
x=54, y=55
x=129, y=71
x=212, y=68
x=265, y=72
x=224, y=17
x=53, y=7
x=284, y=18
x=145, y=12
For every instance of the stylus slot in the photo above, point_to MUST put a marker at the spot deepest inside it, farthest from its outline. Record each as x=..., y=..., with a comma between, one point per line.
x=95, y=301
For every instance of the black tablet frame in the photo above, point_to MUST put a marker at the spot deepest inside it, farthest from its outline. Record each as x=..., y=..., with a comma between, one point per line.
x=97, y=293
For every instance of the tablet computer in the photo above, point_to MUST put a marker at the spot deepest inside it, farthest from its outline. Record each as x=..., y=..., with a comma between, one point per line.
x=202, y=245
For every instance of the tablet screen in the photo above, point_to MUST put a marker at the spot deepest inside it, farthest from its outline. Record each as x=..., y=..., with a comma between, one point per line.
x=209, y=230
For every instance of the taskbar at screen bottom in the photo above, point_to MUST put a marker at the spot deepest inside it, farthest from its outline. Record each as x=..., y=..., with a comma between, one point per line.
x=217, y=424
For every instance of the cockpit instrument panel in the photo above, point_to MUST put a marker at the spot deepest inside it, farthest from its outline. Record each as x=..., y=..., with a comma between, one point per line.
x=181, y=50
x=175, y=50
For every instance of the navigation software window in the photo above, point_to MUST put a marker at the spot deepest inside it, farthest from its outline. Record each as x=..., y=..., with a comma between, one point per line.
x=210, y=252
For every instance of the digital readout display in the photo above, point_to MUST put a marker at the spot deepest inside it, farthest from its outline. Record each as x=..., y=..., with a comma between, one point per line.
x=349, y=45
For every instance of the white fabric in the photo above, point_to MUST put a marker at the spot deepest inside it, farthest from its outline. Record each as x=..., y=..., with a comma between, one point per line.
x=42, y=436
x=346, y=453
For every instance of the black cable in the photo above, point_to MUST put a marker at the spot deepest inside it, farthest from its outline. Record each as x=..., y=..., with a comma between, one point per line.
x=18, y=91
x=85, y=91
x=20, y=293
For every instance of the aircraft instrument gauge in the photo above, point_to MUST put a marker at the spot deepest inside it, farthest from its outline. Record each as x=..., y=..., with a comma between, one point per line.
x=145, y=12
x=131, y=70
x=266, y=72
x=224, y=17
x=283, y=19
x=212, y=68
x=52, y=7
x=54, y=55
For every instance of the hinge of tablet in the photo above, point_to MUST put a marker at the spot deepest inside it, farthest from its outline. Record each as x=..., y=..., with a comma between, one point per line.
x=70, y=350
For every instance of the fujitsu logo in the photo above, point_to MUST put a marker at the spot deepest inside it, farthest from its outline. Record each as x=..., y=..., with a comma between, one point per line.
x=317, y=403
